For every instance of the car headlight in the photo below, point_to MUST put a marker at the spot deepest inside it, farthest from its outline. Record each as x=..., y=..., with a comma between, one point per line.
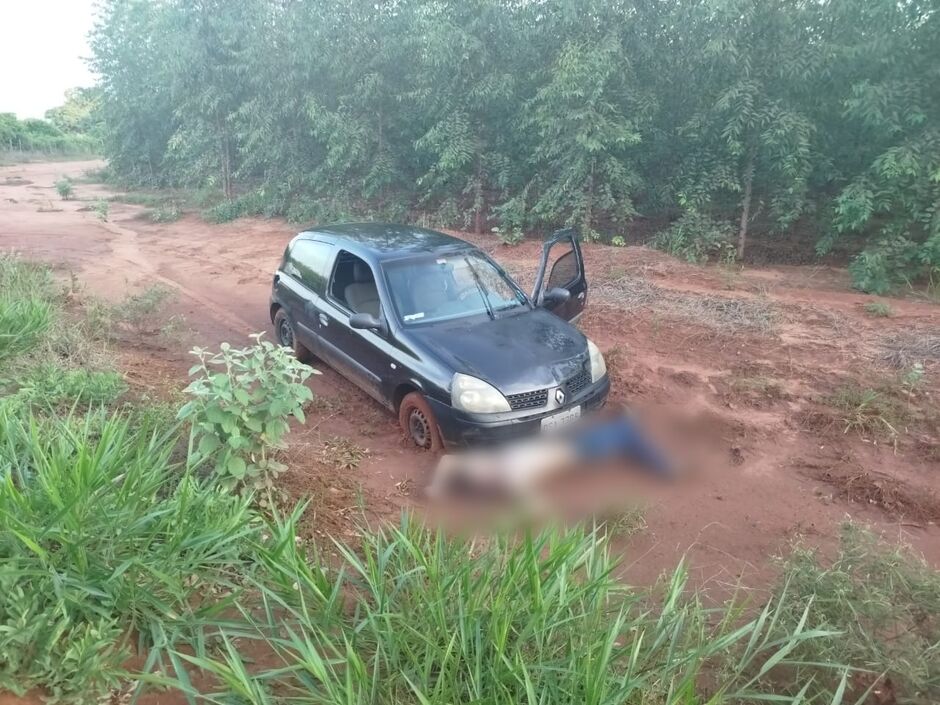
x=476, y=396
x=598, y=366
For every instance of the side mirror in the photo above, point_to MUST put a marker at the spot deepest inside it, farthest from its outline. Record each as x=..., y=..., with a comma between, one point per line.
x=555, y=296
x=366, y=321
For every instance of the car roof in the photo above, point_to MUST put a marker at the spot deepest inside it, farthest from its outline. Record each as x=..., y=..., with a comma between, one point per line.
x=385, y=240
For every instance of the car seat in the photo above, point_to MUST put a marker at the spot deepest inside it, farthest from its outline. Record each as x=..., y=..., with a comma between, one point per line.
x=362, y=294
x=428, y=293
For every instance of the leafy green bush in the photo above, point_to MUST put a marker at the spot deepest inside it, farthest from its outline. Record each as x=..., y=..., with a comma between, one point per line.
x=64, y=188
x=241, y=401
x=103, y=539
x=884, y=604
x=253, y=203
x=101, y=209
x=885, y=266
x=333, y=209
x=696, y=237
x=169, y=213
x=509, y=237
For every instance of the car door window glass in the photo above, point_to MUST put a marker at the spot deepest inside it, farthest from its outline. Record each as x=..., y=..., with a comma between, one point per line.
x=564, y=271
x=309, y=262
x=353, y=285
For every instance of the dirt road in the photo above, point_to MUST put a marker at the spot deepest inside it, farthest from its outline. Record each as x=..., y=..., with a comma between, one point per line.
x=737, y=366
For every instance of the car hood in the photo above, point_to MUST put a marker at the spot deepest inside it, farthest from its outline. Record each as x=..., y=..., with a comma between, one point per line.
x=519, y=353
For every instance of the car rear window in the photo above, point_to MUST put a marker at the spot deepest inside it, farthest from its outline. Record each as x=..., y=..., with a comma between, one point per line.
x=309, y=261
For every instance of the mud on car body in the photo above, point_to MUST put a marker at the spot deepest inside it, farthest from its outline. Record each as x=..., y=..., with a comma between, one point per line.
x=438, y=333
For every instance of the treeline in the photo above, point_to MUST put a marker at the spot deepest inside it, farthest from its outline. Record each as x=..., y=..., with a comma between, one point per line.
x=736, y=116
x=74, y=128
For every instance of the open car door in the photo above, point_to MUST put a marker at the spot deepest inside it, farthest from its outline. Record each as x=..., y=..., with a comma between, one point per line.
x=562, y=267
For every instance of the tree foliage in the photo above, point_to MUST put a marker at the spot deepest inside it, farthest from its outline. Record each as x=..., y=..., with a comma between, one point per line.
x=774, y=115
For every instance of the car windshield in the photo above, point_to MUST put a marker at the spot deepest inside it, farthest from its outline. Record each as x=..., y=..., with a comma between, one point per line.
x=441, y=288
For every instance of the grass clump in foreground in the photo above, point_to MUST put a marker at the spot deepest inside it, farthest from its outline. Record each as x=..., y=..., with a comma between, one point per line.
x=536, y=619
x=104, y=542
x=885, y=603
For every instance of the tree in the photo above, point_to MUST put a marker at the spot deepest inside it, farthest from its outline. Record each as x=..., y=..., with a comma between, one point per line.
x=749, y=133
x=584, y=136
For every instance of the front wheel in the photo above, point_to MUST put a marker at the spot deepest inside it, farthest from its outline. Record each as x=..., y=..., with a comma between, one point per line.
x=418, y=423
x=285, y=336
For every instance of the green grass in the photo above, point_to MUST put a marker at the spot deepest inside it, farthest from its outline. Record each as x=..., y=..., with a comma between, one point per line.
x=49, y=385
x=104, y=539
x=870, y=411
x=532, y=619
x=113, y=540
x=27, y=297
x=883, y=599
x=878, y=309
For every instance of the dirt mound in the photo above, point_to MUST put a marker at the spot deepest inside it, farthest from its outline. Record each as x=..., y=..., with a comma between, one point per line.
x=859, y=485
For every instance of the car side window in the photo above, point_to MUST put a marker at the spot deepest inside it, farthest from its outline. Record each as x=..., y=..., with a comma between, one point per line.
x=564, y=271
x=309, y=261
x=353, y=284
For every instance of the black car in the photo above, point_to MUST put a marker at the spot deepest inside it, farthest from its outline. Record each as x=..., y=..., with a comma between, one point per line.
x=437, y=332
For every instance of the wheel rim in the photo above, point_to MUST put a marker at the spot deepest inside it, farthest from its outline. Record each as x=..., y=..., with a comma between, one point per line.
x=285, y=333
x=420, y=428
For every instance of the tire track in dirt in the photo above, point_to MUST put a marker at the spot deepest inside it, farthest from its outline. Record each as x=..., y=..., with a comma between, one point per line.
x=126, y=247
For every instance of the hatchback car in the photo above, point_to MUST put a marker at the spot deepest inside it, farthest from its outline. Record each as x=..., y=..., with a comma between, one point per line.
x=438, y=333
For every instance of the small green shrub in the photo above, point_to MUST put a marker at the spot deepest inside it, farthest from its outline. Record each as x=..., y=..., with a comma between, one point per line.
x=101, y=209
x=169, y=213
x=64, y=188
x=878, y=309
x=138, y=310
x=240, y=402
x=618, y=241
x=509, y=236
x=253, y=203
x=885, y=266
x=869, y=411
x=696, y=237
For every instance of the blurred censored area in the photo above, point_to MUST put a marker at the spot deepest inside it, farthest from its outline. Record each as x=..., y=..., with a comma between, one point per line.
x=612, y=456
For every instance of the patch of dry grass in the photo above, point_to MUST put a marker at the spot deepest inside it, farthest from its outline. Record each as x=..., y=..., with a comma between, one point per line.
x=721, y=312
x=905, y=350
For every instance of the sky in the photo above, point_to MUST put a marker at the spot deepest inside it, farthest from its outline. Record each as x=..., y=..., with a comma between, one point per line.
x=42, y=47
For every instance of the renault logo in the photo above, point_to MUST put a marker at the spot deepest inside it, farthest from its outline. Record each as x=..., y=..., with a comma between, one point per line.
x=560, y=396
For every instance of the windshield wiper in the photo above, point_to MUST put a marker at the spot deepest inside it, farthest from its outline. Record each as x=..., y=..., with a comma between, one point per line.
x=480, y=288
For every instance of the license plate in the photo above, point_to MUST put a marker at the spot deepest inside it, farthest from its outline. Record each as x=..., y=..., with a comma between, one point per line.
x=562, y=418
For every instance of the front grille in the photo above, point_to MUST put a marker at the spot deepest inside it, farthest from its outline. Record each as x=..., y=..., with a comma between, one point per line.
x=528, y=400
x=575, y=385
x=537, y=399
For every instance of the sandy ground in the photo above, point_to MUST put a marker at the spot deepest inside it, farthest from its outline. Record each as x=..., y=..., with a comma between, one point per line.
x=732, y=366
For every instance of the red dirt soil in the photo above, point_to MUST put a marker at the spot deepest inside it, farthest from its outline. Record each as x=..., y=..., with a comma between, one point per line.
x=742, y=404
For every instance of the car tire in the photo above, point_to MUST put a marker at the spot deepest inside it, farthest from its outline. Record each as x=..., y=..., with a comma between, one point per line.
x=284, y=332
x=418, y=423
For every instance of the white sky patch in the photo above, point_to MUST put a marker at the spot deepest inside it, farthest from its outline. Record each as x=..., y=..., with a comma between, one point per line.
x=43, y=45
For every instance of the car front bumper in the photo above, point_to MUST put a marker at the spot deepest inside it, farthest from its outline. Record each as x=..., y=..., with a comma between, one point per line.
x=459, y=428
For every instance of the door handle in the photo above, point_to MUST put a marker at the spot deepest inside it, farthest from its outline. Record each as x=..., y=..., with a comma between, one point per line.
x=324, y=320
